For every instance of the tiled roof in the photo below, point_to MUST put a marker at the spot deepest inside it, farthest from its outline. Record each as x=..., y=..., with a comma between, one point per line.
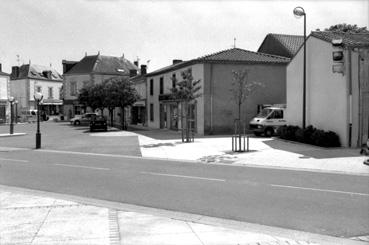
x=281, y=44
x=38, y=72
x=4, y=74
x=348, y=39
x=241, y=55
x=103, y=65
x=233, y=55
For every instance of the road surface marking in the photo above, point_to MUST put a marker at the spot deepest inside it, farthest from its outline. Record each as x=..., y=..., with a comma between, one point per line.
x=14, y=160
x=81, y=166
x=183, y=176
x=322, y=190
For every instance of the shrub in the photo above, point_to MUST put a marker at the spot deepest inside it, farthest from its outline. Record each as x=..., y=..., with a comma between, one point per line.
x=309, y=135
x=287, y=132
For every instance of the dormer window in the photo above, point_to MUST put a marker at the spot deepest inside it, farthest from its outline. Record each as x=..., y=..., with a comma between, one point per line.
x=120, y=70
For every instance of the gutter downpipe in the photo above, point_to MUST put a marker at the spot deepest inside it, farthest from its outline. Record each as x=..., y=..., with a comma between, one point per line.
x=349, y=80
x=211, y=99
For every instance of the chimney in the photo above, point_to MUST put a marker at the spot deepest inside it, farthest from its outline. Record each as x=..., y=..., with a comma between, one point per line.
x=0, y=67
x=15, y=72
x=143, y=69
x=177, y=61
x=132, y=73
x=135, y=63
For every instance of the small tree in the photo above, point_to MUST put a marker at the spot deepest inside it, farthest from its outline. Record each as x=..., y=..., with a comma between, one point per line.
x=347, y=28
x=241, y=89
x=185, y=92
x=121, y=94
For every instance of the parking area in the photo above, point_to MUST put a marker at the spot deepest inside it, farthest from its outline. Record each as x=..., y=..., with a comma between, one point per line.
x=66, y=137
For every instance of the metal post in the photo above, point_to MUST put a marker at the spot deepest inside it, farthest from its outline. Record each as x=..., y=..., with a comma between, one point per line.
x=38, y=133
x=16, y=112
x=11, y=118
x=304, y=81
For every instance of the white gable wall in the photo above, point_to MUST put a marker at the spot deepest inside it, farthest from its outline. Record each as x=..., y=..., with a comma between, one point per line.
x=326, y=92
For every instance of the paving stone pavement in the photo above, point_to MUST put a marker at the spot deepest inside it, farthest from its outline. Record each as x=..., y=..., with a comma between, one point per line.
x=32, y=219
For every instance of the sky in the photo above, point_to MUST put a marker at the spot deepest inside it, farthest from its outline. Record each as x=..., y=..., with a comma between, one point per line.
x=154, y=31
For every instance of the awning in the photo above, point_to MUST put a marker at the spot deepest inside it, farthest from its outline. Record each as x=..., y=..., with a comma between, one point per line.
x=51, y=102
x=140, y=103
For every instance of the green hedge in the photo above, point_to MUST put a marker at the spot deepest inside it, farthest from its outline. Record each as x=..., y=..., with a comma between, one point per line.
x=310, y=135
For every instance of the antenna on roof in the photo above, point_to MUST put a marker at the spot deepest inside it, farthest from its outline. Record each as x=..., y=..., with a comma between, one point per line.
x=86, y=53
x=98, y=52
x=123, y=56
x=29, y=61
x=18, y=59
x=234, y=42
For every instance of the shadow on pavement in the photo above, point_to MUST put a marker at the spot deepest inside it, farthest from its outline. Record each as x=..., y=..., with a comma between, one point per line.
x=310, y=151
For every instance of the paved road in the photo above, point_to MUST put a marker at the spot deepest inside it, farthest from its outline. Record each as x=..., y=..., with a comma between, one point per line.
x=328, y=204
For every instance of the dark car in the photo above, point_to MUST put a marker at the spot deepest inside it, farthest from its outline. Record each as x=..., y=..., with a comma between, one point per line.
x=98, y=122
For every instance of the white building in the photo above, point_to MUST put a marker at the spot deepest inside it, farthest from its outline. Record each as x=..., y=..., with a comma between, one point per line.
x=4, y=95
x=337, y=89
x=28, y=79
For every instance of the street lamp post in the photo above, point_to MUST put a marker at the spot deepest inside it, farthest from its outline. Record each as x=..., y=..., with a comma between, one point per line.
x=11, y=101
x=38, y=97
x=299, y=12
x=16, y=111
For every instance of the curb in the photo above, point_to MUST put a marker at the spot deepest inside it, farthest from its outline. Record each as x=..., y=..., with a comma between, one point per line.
x=188, y=217
x=12, y=135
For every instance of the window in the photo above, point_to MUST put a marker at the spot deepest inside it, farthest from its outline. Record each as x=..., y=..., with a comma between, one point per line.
x=51, y=93
x=151, y=112
x=277, y=114
x=174, y=80
x=162, y=85
x=151, y=87
x=38, y=89
x=73, y=88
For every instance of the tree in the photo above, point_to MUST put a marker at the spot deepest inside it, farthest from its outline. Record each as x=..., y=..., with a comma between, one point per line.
x=347, y=28
x=119, y=92
x=241, y=89
x=92, y=96
x=185, y=92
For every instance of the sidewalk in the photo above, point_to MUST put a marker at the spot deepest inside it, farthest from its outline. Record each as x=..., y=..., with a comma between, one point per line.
x=263, y=152
x=34, y=217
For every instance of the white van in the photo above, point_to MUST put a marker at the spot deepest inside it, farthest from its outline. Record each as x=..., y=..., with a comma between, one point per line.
x=268, y=121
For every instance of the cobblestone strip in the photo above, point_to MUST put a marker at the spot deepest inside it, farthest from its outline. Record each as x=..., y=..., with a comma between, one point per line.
x=114, y=233
x=361, y=238
x=284, y=242
x=46, y=206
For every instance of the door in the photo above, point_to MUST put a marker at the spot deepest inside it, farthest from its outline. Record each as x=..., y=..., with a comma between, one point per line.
x=163, y=116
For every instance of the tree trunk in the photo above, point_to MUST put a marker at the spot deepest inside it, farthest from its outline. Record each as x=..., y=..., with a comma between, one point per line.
x=111, y=111
x=123, y=119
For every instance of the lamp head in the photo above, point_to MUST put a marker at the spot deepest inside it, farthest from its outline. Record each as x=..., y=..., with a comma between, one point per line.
x=16, y=102
x=299, y=12
x=11, y=99
x=38, y=96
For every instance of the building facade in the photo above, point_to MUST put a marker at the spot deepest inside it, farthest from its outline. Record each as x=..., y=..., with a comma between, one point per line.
x=28, y=79
x=91, y=70
x=215, y=110
x=4, y=96
x=337, y=85
x=138, y=112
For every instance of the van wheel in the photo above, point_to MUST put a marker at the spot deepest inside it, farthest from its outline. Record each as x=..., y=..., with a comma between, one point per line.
x=77, y=123
x=269, y=132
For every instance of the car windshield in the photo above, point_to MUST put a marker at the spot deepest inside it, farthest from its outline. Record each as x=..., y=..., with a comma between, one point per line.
x=264, y=113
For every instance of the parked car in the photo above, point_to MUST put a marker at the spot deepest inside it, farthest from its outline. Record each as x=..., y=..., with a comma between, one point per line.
x=82, y=119
x=98, y=122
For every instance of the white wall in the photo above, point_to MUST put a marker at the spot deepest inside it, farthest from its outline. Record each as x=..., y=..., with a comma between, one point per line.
x=45, y=85
x=326, y=92
x=4, y=90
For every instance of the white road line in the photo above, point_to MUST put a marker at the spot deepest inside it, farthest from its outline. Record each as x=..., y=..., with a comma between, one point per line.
x=322, y=190
x=13, y=160
x=183, y=176
x=81, y=166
